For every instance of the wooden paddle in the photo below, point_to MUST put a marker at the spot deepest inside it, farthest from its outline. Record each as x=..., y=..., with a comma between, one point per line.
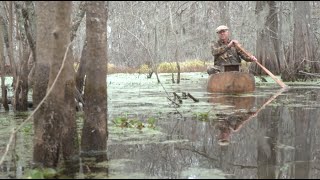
x=265, y=69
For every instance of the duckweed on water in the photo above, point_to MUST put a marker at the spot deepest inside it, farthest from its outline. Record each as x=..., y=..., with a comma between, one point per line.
x=115, y=169
x=145, y=135
x=40, y=173
x=125, y=122
x=201, y=116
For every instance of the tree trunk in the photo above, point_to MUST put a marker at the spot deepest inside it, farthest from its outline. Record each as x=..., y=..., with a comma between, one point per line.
x=153, y=64
x=21, y=89
x=28, y=13
x=304, y=47
x=267, y=42
x=94, y=133
x=70, y=141
x=56, y=126
x=80, y=74
x=28, y=27
x=77, y=20
x=177, y=46
x=2, y=71
x=45, y=14
x=10, y=39
x=82, y=69
x=69, y=136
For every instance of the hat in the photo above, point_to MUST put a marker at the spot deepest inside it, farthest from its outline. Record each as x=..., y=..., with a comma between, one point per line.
x=222, y=27
x=223, y=142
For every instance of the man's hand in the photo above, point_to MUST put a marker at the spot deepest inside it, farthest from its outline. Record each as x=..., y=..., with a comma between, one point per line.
x=253, y=58
x=233, y=42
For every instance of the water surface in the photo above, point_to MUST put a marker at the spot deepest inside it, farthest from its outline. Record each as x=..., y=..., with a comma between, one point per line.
x=217, y=137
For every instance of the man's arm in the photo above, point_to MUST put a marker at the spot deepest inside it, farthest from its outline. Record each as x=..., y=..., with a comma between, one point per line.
x=244, y=56
x=217, y=50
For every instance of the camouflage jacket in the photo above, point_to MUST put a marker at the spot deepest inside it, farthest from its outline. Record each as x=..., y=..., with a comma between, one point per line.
x=225, y=55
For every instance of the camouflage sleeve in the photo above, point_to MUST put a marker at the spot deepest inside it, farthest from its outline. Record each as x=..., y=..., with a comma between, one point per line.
x=217, y=50
x=243, y=55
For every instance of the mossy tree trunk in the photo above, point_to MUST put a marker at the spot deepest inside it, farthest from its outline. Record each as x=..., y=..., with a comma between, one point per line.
x=44, y=39
x=94, y=132
x=57, y=135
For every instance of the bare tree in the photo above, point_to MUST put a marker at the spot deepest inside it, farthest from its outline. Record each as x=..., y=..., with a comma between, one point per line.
x=176, y=54
x=10, y=41
x=20, y=102
x=267, y=37
x=2, y=69
x=29, y=23
x=23, y=36
x=303, y=53
x=143, y=18
x=94, y=132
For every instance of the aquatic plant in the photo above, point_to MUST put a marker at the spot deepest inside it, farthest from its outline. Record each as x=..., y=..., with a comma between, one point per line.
x=125, y=122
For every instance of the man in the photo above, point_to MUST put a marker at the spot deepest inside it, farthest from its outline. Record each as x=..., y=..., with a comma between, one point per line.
x=225, y=51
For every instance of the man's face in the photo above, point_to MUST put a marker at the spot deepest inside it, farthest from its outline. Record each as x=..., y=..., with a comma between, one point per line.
x=223, y=34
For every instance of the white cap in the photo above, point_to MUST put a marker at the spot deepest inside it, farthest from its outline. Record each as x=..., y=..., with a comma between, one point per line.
x=223, y=142
x=222, y=27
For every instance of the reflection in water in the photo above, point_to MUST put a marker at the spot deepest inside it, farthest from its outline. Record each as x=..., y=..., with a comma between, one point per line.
x=303, y=121
x=228, y=123
x=266, y=143
x=268, y=123
x=238, y=102
x=279, y=139
x=265, y=140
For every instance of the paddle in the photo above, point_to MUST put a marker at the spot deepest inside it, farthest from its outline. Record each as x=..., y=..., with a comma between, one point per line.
x=265, y=69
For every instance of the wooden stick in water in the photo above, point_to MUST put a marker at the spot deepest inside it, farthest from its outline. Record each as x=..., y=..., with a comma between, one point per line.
x=193, y=98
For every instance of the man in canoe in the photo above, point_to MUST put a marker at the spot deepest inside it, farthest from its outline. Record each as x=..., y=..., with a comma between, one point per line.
x=225, y=51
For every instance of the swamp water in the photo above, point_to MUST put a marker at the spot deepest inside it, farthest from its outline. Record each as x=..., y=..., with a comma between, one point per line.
x=221, y=136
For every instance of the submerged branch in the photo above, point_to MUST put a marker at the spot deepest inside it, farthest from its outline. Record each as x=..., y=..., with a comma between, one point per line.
x=310, y=74
x=193, y=98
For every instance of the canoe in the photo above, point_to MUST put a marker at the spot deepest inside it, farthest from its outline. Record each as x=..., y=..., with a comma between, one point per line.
x=231, y=82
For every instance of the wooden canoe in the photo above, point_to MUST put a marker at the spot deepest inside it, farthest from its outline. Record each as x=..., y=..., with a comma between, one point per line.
x=231, y=82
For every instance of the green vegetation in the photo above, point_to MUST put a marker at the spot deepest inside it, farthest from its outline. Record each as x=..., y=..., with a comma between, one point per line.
x=37, y=173
x=28, y=128
x=201, y=116
x=125, y=122
x=195, y=65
